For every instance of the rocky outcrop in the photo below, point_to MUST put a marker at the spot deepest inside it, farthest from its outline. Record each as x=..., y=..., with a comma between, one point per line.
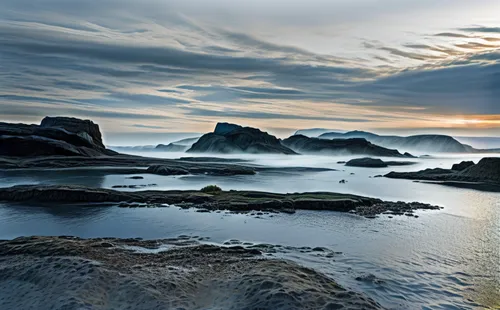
x=240, y=201
x=486, y=174
x=368, y=162
x=225, y=128
x=72, y=273
x=418, y=143
x=230, y=138
x=435, y=174
x=84, y=128
x=462, y=166
x=60, y=136
x=486, y=170
x=306, y=145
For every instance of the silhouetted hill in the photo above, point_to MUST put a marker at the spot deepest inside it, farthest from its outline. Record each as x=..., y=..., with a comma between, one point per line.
x=314, y=132
x=231, y=138
x=420, y=143
x=355, y=146
x=177, y=146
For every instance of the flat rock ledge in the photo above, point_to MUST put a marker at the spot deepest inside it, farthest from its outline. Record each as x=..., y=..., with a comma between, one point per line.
x=72, y=273
x=238, y=201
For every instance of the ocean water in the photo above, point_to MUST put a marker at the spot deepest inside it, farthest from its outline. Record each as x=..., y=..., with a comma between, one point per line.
x=448, y=259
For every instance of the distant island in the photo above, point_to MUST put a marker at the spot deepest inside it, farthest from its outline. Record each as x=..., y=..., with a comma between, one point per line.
x=305, y=145
x=177, y=146
x=421, y=143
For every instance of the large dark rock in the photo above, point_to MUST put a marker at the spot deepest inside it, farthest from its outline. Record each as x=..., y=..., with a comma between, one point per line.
x=367, y=162
x=486, y=171
x=230, y=138
x=419, y=143
x=462, y=166
x=306, y=145
x=83, y=128
x=35, y=146
x=60, y=136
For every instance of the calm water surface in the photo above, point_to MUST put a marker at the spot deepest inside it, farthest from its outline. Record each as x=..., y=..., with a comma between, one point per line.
x=447, y=259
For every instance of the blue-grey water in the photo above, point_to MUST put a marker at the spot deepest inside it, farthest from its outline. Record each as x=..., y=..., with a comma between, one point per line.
x=448, y=259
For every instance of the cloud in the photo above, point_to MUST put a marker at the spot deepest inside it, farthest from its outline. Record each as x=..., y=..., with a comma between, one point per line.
x=111, y=59
x=465, y=88
x=148, y=126
x=19, y=111
x=267, y=115
x=482, y=29
x=452, y=35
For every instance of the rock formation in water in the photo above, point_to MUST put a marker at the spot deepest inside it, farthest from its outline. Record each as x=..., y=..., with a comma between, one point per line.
x=368, y=162
x=240, y=201
x=419, y=143
x=462, y=166
x=485, y=175
x=231, y=138
x=306, y=145
x=109, y=273
x=54, y=136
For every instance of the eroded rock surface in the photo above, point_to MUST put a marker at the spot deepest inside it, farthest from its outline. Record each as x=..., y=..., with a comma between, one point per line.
x=72, y=273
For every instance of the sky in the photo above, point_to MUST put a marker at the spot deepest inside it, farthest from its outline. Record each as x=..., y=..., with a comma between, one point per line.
x=143, y=69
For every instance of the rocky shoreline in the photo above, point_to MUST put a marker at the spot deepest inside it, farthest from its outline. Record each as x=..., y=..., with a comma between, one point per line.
x=238, y=201
x=484, y=176
x=128, y=164
x=73, y=273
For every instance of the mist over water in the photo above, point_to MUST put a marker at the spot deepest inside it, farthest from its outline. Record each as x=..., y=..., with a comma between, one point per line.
x=446, y=259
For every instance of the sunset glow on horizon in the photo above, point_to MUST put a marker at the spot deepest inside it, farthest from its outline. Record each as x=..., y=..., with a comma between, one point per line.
x=183, y=66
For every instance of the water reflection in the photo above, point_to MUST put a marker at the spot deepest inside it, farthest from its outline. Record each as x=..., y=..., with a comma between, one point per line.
x=447, y=259
x=91, y=178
